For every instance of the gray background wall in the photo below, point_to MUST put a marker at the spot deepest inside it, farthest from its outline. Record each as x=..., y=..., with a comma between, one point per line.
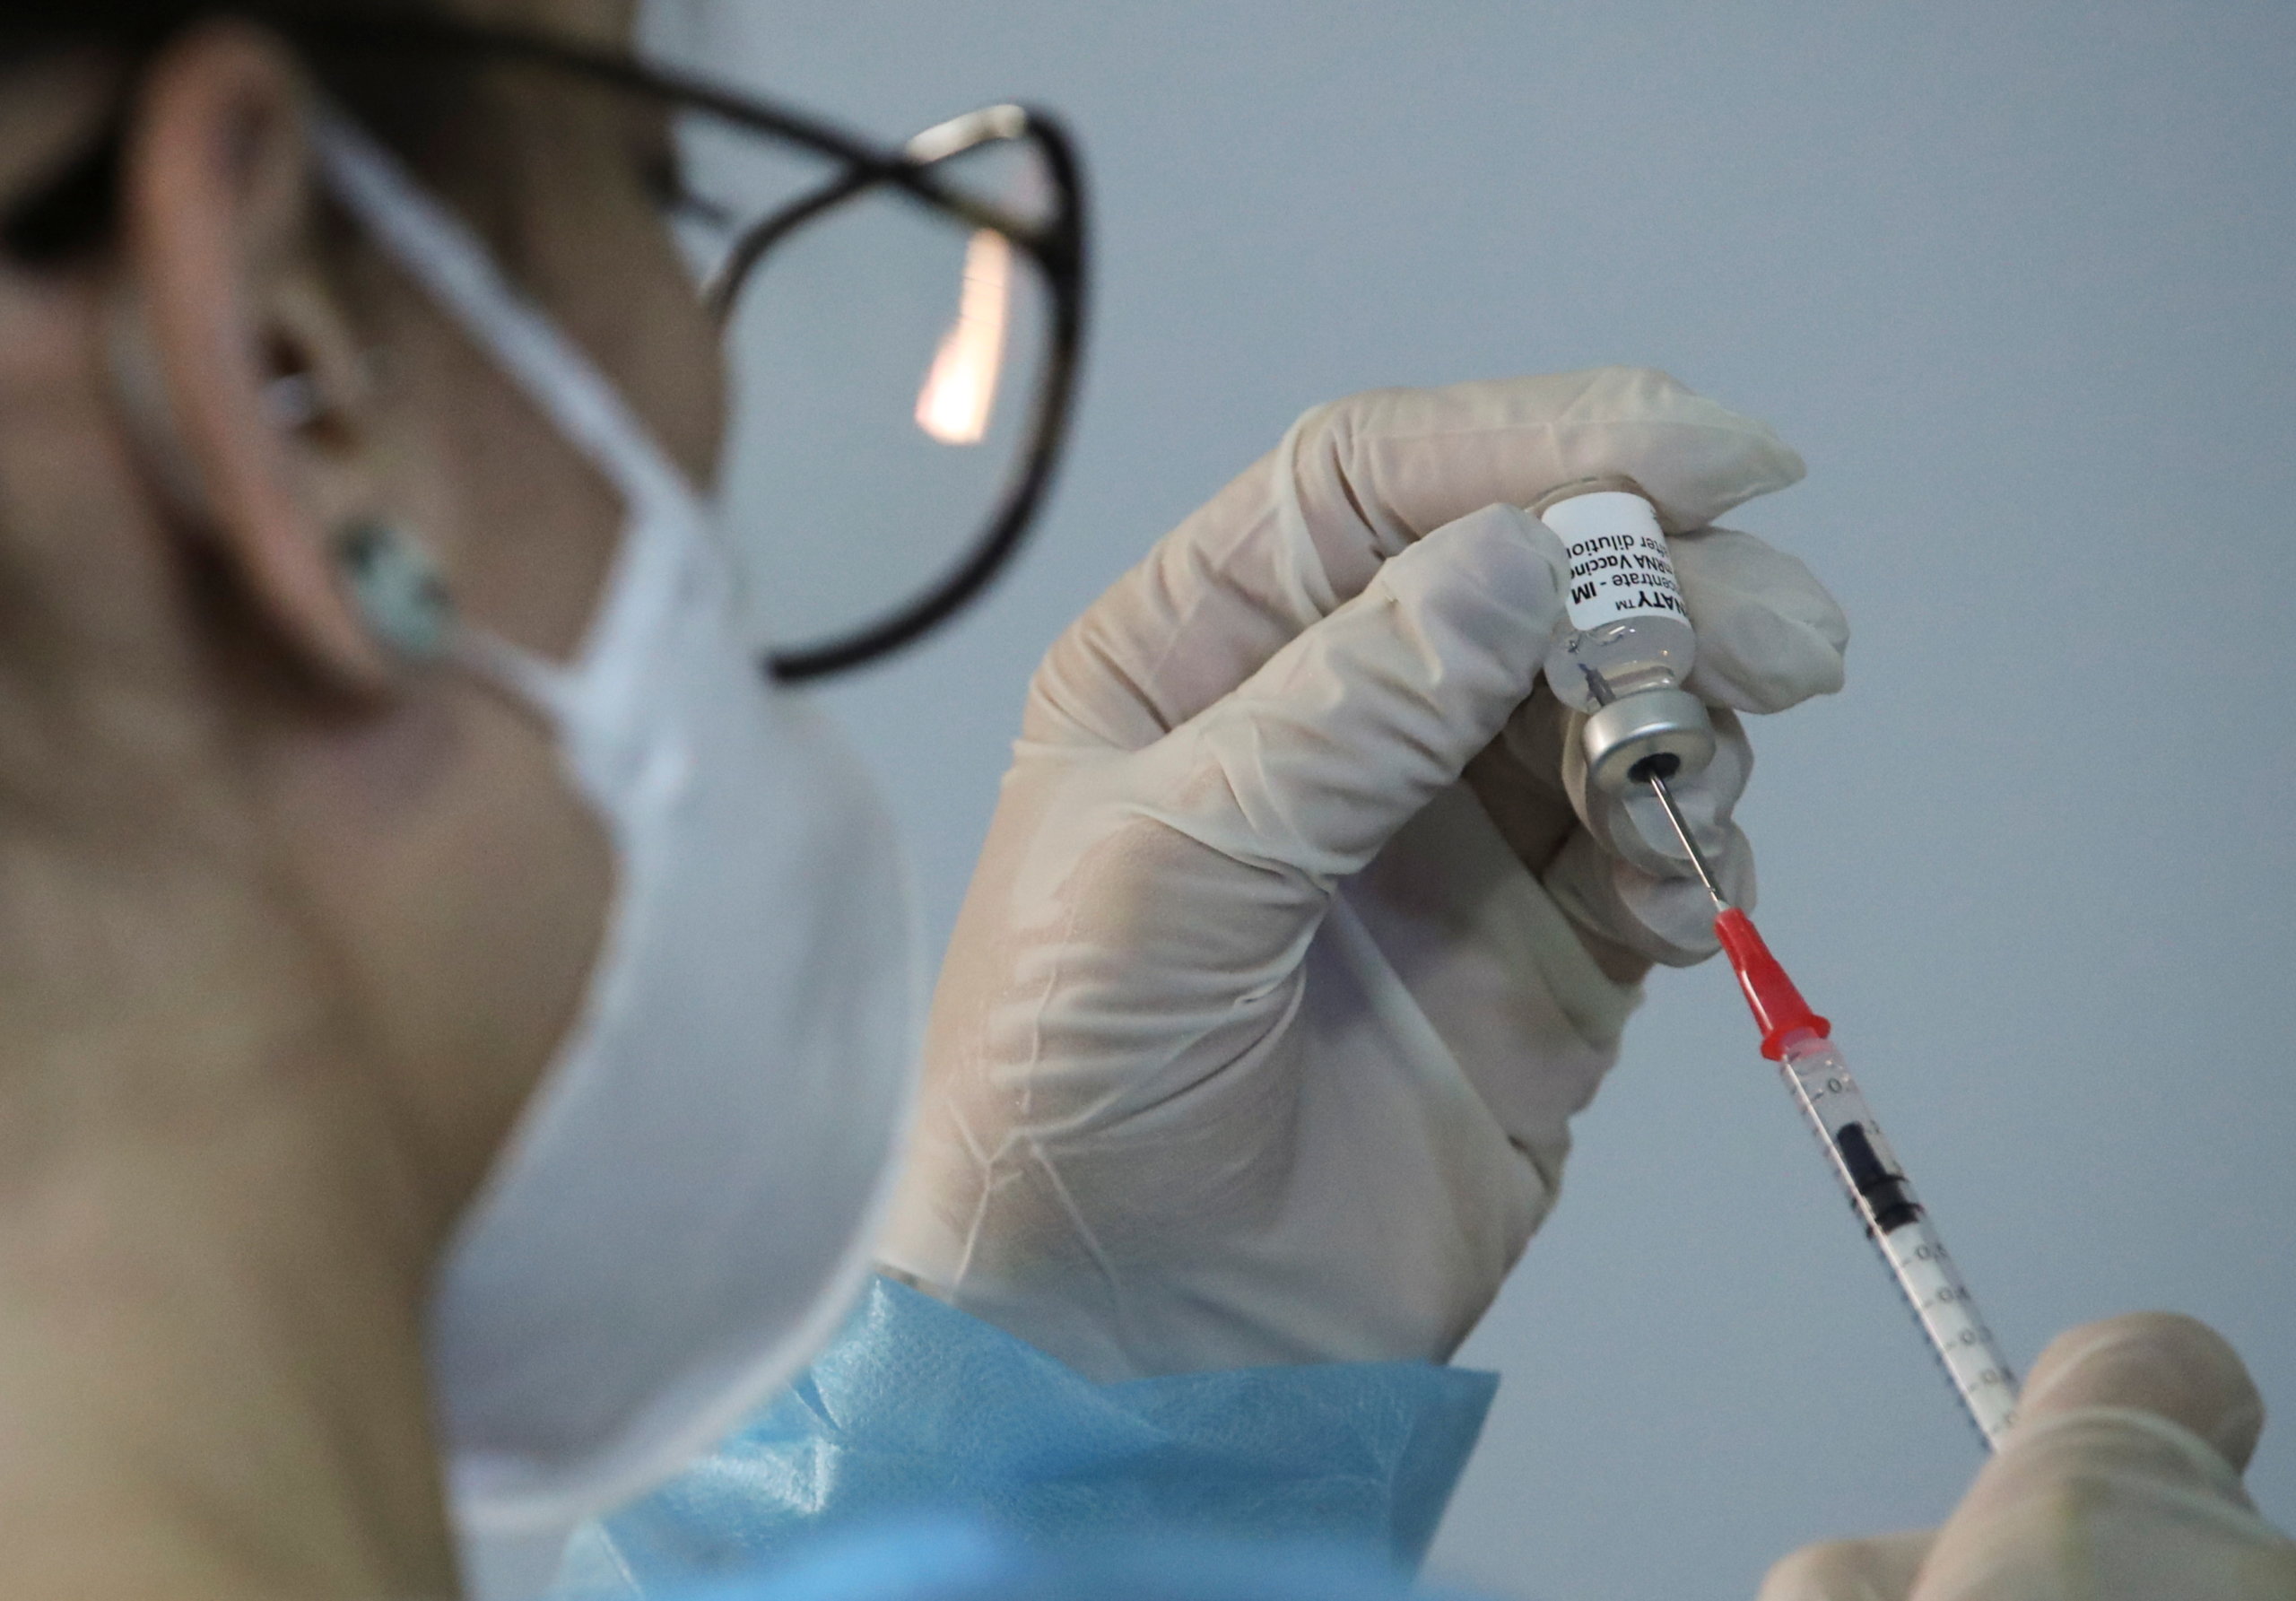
x=2016, y=278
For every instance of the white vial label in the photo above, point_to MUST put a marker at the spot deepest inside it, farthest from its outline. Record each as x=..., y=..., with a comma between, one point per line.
x=1619, y=565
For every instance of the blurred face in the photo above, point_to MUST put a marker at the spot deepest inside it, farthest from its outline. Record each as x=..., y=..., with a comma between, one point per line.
x=478, y=901
x=170, y=533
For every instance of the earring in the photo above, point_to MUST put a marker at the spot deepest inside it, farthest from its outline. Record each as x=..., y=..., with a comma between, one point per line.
x=395, y=585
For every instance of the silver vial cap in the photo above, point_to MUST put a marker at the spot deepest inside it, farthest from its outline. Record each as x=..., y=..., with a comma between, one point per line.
x=1665, y=723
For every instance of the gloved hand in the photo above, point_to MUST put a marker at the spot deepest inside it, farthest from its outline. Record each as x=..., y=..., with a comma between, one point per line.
x=2120, y=1482
x=1258, y=1035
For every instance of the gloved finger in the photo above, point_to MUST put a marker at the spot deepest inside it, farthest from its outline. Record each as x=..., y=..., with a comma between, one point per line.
x=1518, y=778
x=1620, y=872
x=1663, y=918
x=1349, y=730
x=1629, y=823
x=1353, y=484
x=2165, y=1363
x=1516, y=440
x=2120, y=1480
x=1532, y=781
x=1768, y=634
x=1881, y=1568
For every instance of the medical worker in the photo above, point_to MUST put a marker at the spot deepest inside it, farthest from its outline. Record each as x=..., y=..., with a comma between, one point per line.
x=453, y=1057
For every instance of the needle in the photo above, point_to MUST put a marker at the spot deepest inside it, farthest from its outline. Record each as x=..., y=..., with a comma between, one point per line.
x=1682, y=831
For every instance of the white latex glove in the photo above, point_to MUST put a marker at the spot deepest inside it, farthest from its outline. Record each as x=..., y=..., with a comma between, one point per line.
x=2120, y=1482
x=1259, y=1037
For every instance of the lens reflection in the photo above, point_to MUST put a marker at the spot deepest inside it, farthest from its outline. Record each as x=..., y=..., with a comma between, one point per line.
x=959, y=391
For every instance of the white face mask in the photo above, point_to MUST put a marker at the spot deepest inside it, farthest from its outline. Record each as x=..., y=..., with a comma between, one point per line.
x=687, y=1204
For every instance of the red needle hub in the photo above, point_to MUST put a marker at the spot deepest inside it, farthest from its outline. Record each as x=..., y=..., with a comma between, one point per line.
x=1780, y=1011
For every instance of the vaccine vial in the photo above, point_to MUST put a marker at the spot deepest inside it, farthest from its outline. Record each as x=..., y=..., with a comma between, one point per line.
x=1629, y=644
x=1627, y=622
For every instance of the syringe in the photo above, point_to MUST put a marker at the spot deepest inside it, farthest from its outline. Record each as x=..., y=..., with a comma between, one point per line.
x=1623, y=661
x=1797, y=1039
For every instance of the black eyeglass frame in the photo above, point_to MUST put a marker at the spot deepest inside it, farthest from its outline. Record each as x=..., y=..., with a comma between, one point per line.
x=1057, y=247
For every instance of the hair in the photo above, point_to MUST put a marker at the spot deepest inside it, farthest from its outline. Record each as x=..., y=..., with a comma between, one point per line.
x=412, y=101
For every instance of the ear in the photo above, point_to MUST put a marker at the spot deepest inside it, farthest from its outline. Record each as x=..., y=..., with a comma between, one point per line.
x=220, y=220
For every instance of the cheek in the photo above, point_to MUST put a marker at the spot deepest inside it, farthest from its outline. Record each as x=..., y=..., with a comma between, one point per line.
x=680, y=384
x=668, y=359
x=523, y=524
x=630, y=303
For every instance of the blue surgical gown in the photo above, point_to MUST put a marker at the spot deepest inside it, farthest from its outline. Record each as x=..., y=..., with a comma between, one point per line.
x=928, y=1455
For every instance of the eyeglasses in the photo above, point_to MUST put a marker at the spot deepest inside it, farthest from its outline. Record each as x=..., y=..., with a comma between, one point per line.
x=901, y=329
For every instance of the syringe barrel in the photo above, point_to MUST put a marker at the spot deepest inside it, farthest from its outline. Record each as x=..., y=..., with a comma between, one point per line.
x=1901, y=1232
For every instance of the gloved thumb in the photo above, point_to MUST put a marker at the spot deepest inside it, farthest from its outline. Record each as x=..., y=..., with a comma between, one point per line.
x=1310, y=765
x=2120, y=1481
x=1883, y=1568
x=2173, y=1367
